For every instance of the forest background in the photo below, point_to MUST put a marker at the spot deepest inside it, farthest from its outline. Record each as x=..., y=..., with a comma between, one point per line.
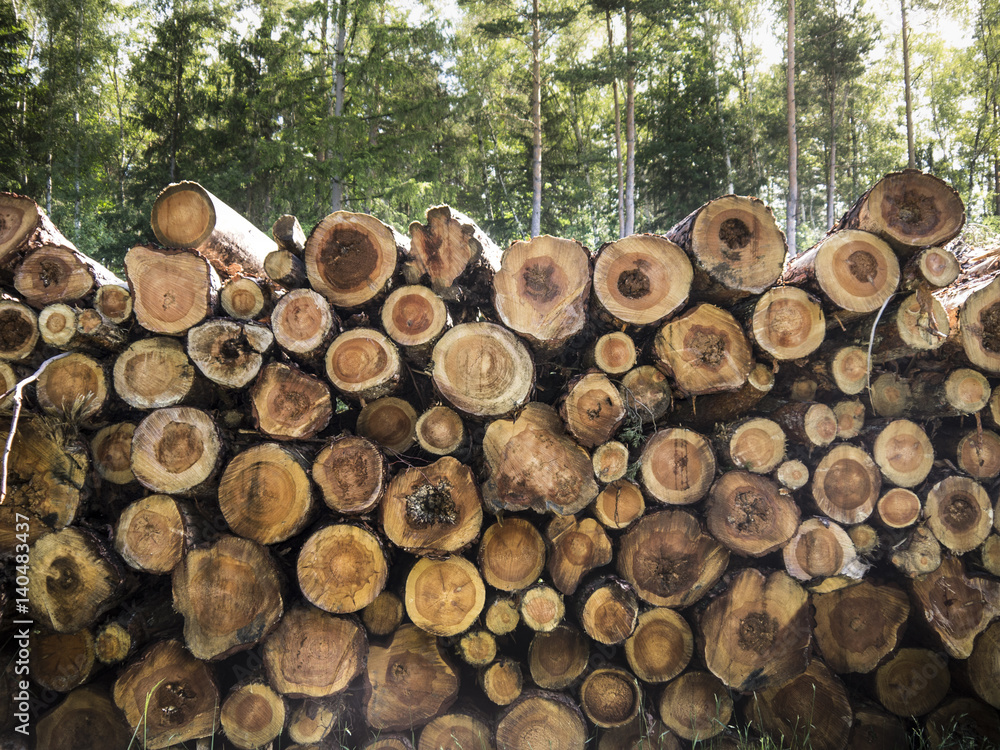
x=587, y=119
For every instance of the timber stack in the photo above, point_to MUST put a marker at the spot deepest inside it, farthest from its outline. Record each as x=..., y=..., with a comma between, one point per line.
x=354, y=488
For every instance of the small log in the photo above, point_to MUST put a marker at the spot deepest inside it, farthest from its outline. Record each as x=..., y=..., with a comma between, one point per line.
x=502, y=681
x=99, y=333
x=735, y=245
x=577, y=546
x=252, y=715
x=113, y=303
x=456, y=731
x=172, y=290
x=756, y=444
x=22, y=223
x=705, y=350
x=647, y=393
x=391, y=422
x=154, y=532
x=956, y=606
x=457, y=257
x=963, y=720
x=363, y=363
x=977, y=453
x=989, y=554
x=409, y=681
x=983, y=667
x=415, y=318
x=812, y=708
x=811, y=424
x=351, y=474
x=477, y=648
x=8, y=381
x=139, y=623
x=661, y=646
x=619, y=504
x=850, y=415
x=384, y=614
x=168, y=696
x=918, y=553
x=908, y=209
x=444, y=597
x=289, y=404
x=230, y=597
x=288, y=234
x=286, y=269
x=899, y=508
x=542, y=608
x=677, y=466
x=918, y=323
x=243, y=298
x=304, y=324
x=747, y=513
x=73, y=579
x=313, y=654
x=854, y=270
x=875, y=729
x=903, y=452
x=820, y=548
x=59, y=274
x=433, y=510
x=482, y=369
x=502, y=616
x=642, y=733
x=265, y=494
x=866, y=540
x=614, y=353
x=757, y=633
x=913, y=682
x=541, y=290
x=558, y=658
x=669, y=559
x=592, y=408
x=542, y=719
x=931, y=268
x=511, y=554
x=74, y=386
x=891, y=396
x=155, y=373
x=176, y=451
x=312, y=721
x=787, y=323
x=62, y=661
x=18, y=330
x=792, y=474
x=610, y=697
x=342, y=568
x=849, y=369
x=228, y=352
x=961, y=391
x=846, y=484
x=85, y=720
x=858, y=626
x=696, y=706
x=440, y=431
x=608, y=610
x=57, y=327
x=349, y=257
x=959, y=513
x=642, y=279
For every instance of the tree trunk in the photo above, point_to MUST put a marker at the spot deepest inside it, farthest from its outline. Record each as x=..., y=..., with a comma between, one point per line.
x=858, y=626
x=172, y=290
x=630, y=139
x=911, y=160
x=59, y=274
x=792, y=209
x=415, y=318
x=618, y=129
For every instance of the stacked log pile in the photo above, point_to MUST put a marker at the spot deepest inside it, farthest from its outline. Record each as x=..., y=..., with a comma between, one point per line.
x=359, y=489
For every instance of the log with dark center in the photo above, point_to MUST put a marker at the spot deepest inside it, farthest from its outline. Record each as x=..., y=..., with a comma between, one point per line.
x=59, y=274
x=593, y=409
x=415, y=318
x=228, y=352
x=749, y=515
x=176, y=451
x=705, y=350
x=252, y=715
x=846, y=484
x=820, y=549
x=913, y=682
x=351, y=474
x=18, y=330
x=456, y=256
x=857, y=626
x=610, y=697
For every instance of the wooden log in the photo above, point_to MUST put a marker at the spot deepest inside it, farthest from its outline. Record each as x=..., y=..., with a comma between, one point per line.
x=821, y=548
x=846, y=484
x=62, y=661
x=899, y=508
x=477, y=648
x=875, y=729
x=542, y=719
x=304, y=324
x=188, y=216
x=963, y=720
x=972, y=311
x=850, y=415
x=74, y=386
x=747, y=513
x=642, y=733
x=913, y=682
x=577, y=547
x=813, y=708
x=903, y=452
x=541, y=290
x=909, y=210
x=531, y=463
x=455, y=255
x=287, y=233
x=696, y=706
x=388, y=742
x=363, y=363
x=930, y=268
x=558, y=658
x=756, y=444
x=735, y=245
x=757, y=633
x=542, y=608
x=445, y=596
x=98, y=333
x=312, y=721
x=854, y=270
x=289, y=404
x=677, y=466
x=610, y=697
x=440, y=431
x=87, y=720
x=705, y=350
x=342, y=568
x=265, y=494
x=252, y=715
x=792, y=474
x=228, y=352
x=647, y=393
x=415, y=318
x=983, y=667
x=18, y=330
x=956, y=606
x=608, y=610
x=890, y=395
x=482, y=369
x=959, y=513
x=642, y=279
x=866, y=540
x=977, y=453
x=113, y=303
x=989, y=554
x=614, y=353
x=619, y=504
x=168, y=696
x=511, y=554
x=433, y=510
x=8, y=381
x=244, y=298
x=502, y=681
x=391, y=422
x=811, y=424
x=787, y=323
x=176, y=451
x=669, y=559
x=154, y=532
x=57, y=326
x=961, y=391
x=313, y=654
x=349, y=257
x=592, y=408
x=705, y=412
x=849, y=369
x=230, y=596
x=22, y=223
x=917, y=323
x=73, y=579
x=456, y=731
x=918, y=553
x=172, y=290
x=139, y=623
x=661, y=646
x=384, y=614
x=59, y=274
x=286, y=269
x=409, y=681
x=351, y=474
x=155, y=373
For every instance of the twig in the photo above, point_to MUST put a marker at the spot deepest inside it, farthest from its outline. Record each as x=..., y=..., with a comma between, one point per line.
x=871, y=341
x=18, y=391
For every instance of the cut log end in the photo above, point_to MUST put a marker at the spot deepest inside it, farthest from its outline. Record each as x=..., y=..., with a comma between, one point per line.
x=349, y=257
x=788, y=323
x=642, y=279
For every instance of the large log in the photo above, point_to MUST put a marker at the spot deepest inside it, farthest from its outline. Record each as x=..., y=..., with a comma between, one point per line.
x=172, y=290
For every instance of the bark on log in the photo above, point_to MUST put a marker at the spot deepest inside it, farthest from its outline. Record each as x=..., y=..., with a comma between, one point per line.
x=577, y=547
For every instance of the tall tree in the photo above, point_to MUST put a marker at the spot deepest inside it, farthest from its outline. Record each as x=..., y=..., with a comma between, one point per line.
x=13, y=79
x=907, y=91
x=793, y=144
